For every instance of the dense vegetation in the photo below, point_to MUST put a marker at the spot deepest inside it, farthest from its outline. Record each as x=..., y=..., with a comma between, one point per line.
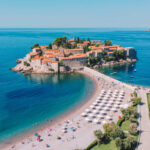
x=107, y=43
x=93, y=61
x=35, y=45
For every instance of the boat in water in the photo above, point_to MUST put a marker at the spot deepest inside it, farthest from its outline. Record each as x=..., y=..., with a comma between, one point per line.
x=131, y=76
x=148, y=30
x=114, y=73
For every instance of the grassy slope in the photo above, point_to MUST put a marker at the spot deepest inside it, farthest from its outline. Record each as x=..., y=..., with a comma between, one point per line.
x=125, y=125
x=148, y=101
x=109, y=146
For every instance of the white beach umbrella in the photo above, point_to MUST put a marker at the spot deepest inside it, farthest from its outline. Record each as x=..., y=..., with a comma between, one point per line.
x=105, y=108
x=113, y=109
x=111, y=101
x=88, y=119
x=91, y=115
x=88, y=110
x=103, y=112
x=95, y=111
x=102, y=104
x=100, y=116
x=96, y=121
x=104, y=122
x=109, y=105
x=116, y=106
x=92, y=106
x=108, y=118
x=125, y=106
x=83, y=114
x=94, y=103
x=117, y=102
x=105, y=98
x=121, y=106
x=97, y=100
x=120, y=96
x=99, y=97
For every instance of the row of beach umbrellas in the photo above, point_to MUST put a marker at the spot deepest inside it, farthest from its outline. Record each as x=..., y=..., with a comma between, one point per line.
x=107, y=101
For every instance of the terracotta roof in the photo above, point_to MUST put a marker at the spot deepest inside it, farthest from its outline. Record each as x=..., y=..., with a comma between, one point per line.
x=81, y=44
x=45, y=61
x=37, y=48
x=43, y=47
x=98, y=51
x=71, y=40
x=74, y=49
x=33, y=53
x=75, y=56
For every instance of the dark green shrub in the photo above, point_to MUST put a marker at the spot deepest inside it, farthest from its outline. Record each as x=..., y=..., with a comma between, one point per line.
x=119, y=122
x=133, y=129
x=101, y=137
x=118, y=142
x=118, y=132
x=135, y=94
x=94, y=143
x=51, y=69
x=129, y=143
x=133, y=120
x=35, y=45
x=109, y=128
x=129, y=112
x=136, y=101
x=26, y=64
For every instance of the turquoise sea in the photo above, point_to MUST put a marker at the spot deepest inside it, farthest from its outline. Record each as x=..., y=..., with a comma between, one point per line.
x=26, y=100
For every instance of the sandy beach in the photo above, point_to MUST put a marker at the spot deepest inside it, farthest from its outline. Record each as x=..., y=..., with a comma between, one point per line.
x=71, y=131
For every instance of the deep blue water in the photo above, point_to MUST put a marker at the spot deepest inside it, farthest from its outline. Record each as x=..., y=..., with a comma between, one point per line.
x=29, y=99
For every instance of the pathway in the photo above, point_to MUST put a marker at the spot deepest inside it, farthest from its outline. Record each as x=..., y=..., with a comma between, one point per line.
x=144, y=141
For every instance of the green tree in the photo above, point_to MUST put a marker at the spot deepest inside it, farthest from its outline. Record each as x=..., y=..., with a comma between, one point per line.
x=89, y=39
x=78, y=40
x=86, y=49
x=129, y=143
x=119, y=55
x=104, y=53
x=129, y=112
x=118, y=142
x=133, y=129
x=40, y=53
x=50, y=46
x=109, y=128
x=26, y=64
x=93, y=60
x=118, y=132
x=101, y=137
x=35, y=45
x=60, y=41
x=107, y=43
x=75, y=45
x=136, y=101
x=61, y=63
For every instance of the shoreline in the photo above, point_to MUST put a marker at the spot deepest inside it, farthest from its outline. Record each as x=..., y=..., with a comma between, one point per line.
x=56, y=120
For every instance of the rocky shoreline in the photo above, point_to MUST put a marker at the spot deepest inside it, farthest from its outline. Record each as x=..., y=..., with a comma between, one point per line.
x=28, y=69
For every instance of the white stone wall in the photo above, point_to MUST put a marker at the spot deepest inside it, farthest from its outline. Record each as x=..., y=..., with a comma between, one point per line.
x=75, y=62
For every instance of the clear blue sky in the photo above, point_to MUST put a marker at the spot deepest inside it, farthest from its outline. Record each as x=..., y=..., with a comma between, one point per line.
x=75, y=13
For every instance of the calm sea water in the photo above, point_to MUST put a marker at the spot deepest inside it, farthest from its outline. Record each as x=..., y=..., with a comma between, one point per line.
x=29, y=99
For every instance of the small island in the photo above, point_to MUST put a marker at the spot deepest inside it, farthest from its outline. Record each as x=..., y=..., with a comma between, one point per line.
x=68, y=55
